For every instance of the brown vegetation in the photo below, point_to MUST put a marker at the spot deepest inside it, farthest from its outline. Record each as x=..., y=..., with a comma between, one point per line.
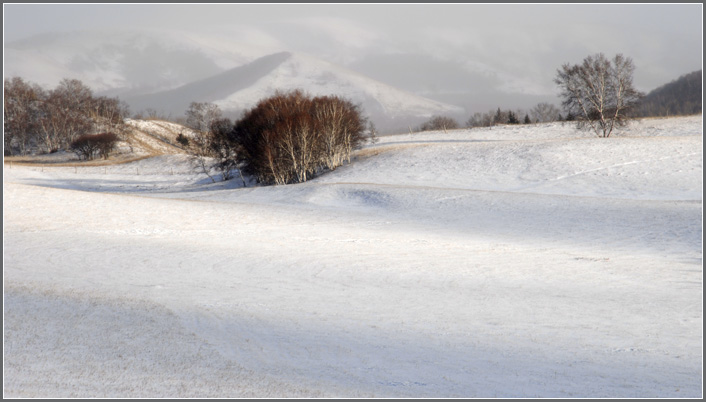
x=89, y=145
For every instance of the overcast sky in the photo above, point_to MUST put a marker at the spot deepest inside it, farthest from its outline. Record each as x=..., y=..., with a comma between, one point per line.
x=525, y=40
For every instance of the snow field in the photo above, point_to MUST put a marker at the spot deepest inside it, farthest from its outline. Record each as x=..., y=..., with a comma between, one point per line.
x=447, y=265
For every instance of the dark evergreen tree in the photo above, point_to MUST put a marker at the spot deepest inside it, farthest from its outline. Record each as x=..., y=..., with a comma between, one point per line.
x=498, y=117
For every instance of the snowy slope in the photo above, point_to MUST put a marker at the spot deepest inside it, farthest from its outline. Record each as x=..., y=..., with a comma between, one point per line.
x=212, y=89
x=514, y=262
x=319, y=77
x=156, y=137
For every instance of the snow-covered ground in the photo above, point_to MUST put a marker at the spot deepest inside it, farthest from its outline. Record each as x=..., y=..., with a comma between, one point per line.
x=529, y=261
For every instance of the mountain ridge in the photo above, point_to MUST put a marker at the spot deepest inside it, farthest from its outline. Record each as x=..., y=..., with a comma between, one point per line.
x=209, y=89
x=240, y=88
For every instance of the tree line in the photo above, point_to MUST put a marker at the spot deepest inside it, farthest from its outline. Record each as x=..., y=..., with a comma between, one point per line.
x=541, y=113
x=598, y=94
x=49, y=120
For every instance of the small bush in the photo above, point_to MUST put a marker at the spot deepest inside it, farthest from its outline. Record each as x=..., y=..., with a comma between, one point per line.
x=439, y=123
x=182, y=139
x=90, y=145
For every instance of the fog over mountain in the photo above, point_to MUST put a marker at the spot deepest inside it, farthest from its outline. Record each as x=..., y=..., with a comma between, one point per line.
x=466, y=57
x=167, y=70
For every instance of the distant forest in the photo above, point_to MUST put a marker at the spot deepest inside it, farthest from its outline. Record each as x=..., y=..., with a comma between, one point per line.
x=682, y=96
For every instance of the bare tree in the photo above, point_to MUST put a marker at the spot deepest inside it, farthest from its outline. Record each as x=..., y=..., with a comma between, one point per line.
x=200, y=115
x=22, y=102
x=544, y=112
x=487, y=119
x=475, y=120
x=108, y=114
x=76, y=100
x=54, y=119
x=341, y=127
x=481, y=119
x=223, y=150
x=151, y=114
x=64, y=114
x=439, y=123
x=200, y=151
x=599, y=92
x=373, y=137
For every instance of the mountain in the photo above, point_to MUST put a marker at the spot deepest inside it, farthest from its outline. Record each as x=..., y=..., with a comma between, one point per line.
x=682, y=96
x=212, y=89
x=242, y=87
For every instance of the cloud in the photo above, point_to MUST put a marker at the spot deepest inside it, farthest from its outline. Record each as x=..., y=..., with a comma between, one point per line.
x=342, y=31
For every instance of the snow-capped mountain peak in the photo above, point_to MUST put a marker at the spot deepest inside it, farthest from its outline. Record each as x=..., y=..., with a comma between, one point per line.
x=318, y=77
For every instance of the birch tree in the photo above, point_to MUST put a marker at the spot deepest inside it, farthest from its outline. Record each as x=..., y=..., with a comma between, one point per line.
x=599, y=92
x=291, y=137
x=544, y=112
x=20, y=114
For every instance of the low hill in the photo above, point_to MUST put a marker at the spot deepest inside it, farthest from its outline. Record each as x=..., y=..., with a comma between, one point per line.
x=683, y=96
x=142, y=139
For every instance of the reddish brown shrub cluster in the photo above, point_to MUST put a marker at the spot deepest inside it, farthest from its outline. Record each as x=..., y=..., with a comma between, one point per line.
x=291, y=137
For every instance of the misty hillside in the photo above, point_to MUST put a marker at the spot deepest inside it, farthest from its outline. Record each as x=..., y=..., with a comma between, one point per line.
x=242, y=87
x=682, y=96
x=219, y=86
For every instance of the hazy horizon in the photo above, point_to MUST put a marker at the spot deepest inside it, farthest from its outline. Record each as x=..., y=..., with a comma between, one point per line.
x=506, y=53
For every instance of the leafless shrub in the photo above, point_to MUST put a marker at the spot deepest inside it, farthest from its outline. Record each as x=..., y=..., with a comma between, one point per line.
x=89, y=145
x=439, y=123
x=291, y=137
x=545, y=112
